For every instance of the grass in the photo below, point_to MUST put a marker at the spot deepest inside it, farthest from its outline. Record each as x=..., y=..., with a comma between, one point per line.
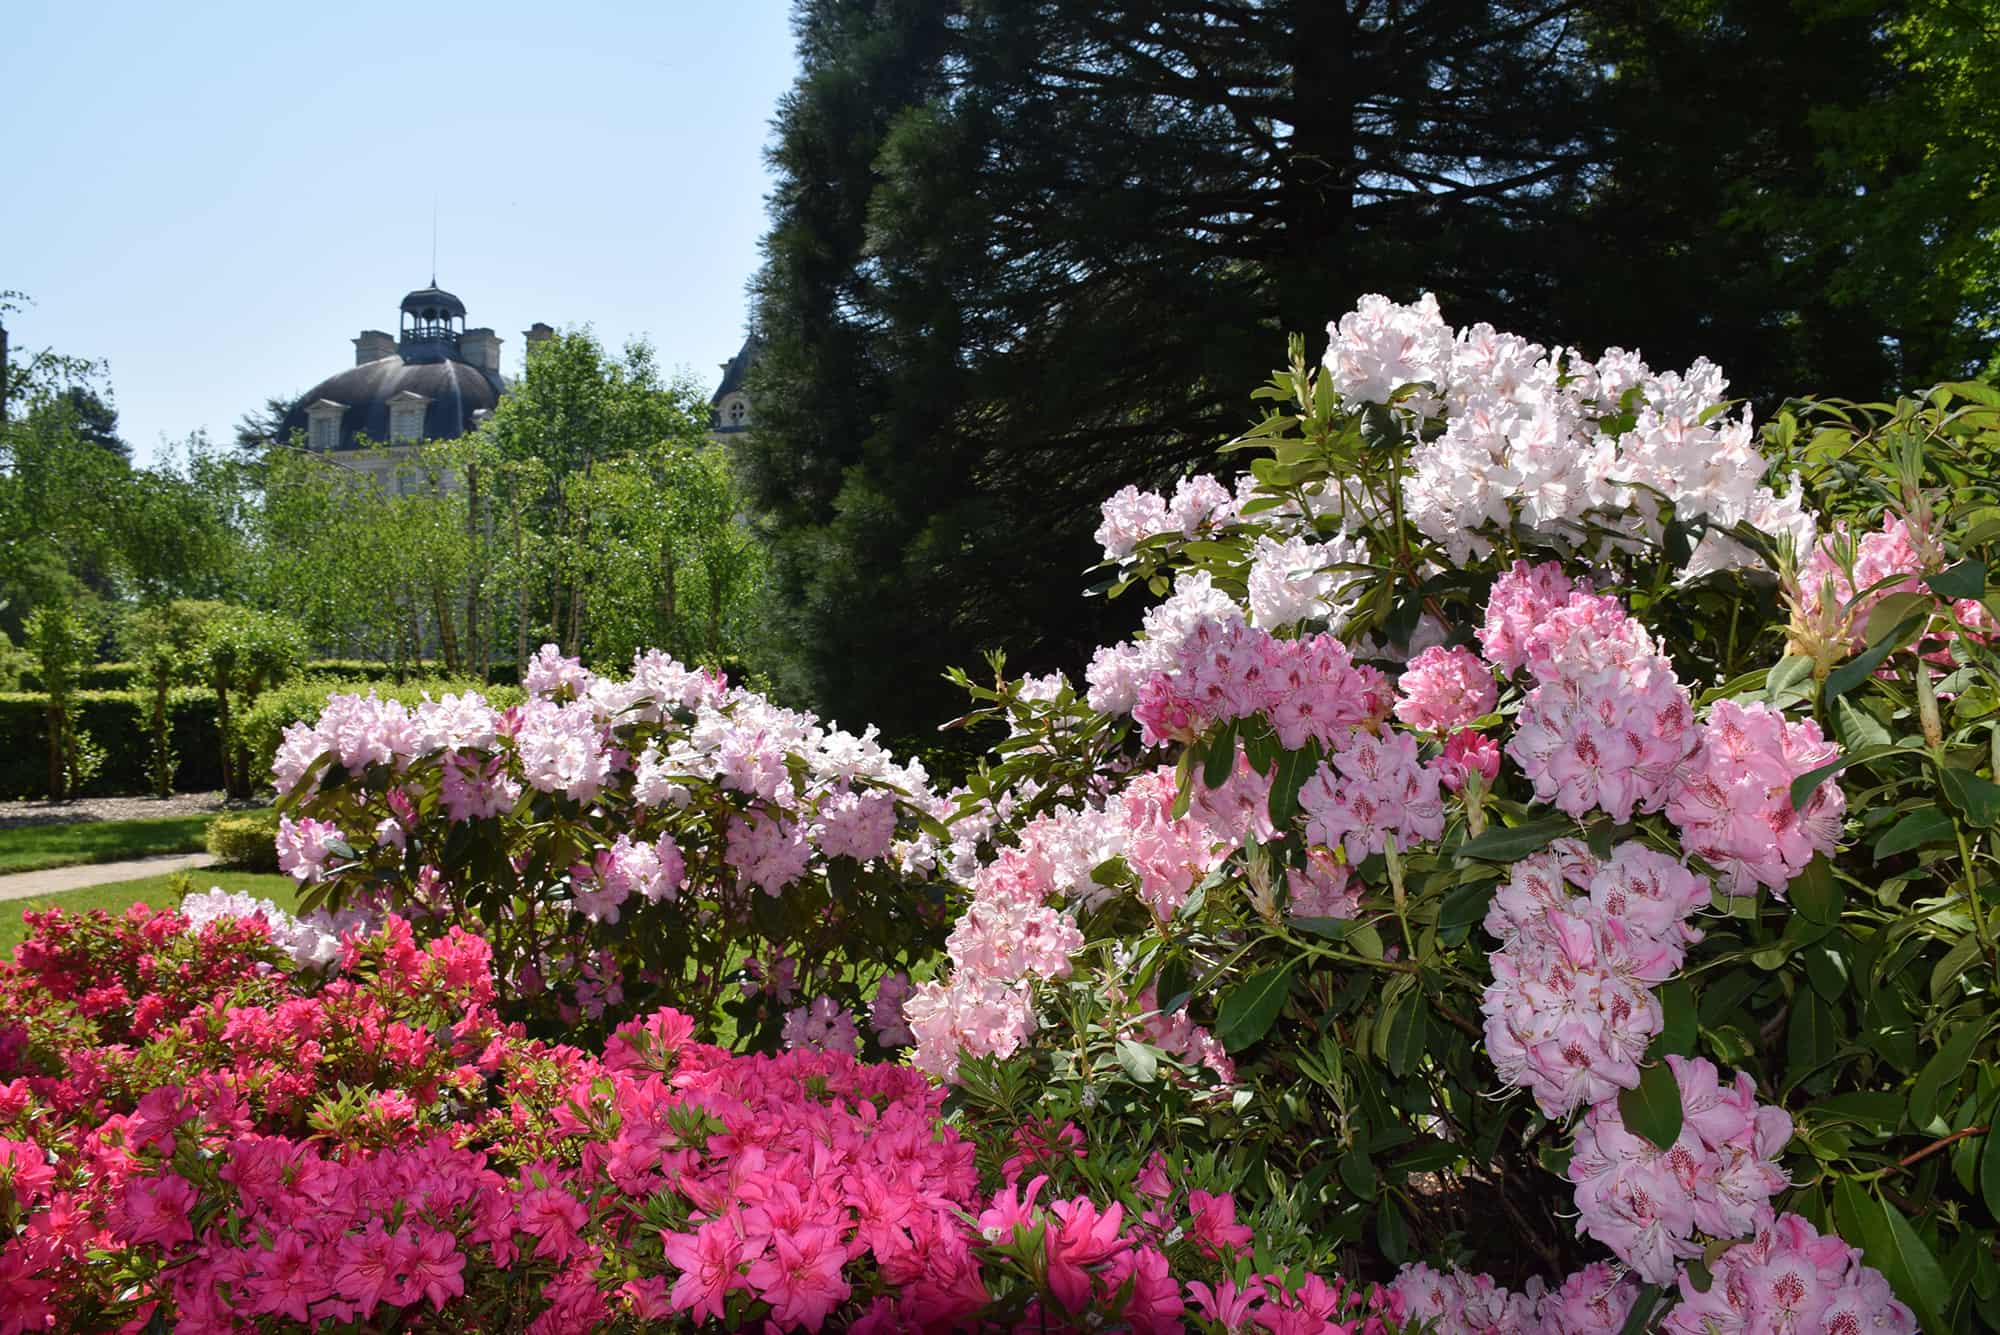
x=34, y=847
x=154, y=890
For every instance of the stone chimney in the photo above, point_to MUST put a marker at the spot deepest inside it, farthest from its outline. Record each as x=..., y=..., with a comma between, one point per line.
x=481, y=347
x=536, y=335
x=373, y=346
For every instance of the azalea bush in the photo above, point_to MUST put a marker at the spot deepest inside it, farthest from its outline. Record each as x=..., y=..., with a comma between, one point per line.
x=1541, y=844
x=227, y=1119
x=623, y=844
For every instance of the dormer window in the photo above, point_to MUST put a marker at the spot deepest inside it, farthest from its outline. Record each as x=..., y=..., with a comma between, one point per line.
x=739, y=412
x=323, y=424
x=406, y=416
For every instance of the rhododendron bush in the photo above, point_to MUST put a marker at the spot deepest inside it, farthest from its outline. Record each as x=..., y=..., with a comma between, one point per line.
x=1542, y=839
x=622, y=844
x=198, y=1135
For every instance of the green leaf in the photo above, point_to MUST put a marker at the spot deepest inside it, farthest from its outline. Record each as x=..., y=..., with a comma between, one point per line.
x=1641, y=1315
x=1977, y=798
x=1989, y=1175
x=1927, y=825
x=1947, y=1065
x=1805, y=784
x=1953, y=964
x=1392, y=1233
x=1894, y=1248
x=1653, y=1110
x=1813, y=1035
x=1513, y=842
x=1406, y=1035
x=1857, y=727
x=1221, y=761
x=1857, y=669
x=1357, y=1170
x=1967, y=579
x=1173, y=985
x=1815, y=892
x=1789, y=672
x=1294, y=768
x=1140, y=1060
x=1252, y=1006
x=1465, y=906
x=1679, y=1027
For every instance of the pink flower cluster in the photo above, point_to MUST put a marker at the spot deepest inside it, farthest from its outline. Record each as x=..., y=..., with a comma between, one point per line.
x=824, y=1025
x=1570, y=1010
x=1789, y=1278
x=305, y=846
x=1596, y=1300
x=1104, y=1265
x=1372, y=790
x=1646, y=1204
x=652, y=871
x=1444, y=689
x=1607, y=724
x=1131, y=515
x=1732, y=799
x=455, y=1168
x=1840, y=597
x=1307, y=688
x=1007, y=936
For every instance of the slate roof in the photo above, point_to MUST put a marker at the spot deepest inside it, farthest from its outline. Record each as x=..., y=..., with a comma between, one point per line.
x=456, y=391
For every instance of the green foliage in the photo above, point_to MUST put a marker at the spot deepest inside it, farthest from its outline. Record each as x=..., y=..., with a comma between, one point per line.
x=246, y=841
x=121, y=723
x=168, y=642
x=242, y=652
x=58, y=637
x=1364, y=1115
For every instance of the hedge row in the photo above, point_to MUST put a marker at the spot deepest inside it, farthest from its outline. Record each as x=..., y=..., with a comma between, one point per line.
x=125, y=676
x=116, y=721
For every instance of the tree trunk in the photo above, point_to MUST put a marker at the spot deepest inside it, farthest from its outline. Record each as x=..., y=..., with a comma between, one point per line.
x=222, y=724
x=669, y=597
x=57, y=775
x=163, y=743
x=447, y=634
x=475, y=651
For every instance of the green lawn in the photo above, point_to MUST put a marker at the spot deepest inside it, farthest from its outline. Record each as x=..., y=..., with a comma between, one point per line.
x=33, y=847
x=119, y=895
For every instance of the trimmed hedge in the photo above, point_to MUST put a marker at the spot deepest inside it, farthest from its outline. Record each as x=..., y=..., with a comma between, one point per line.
x=246, y=840
x=121, y=676
x=116, y=721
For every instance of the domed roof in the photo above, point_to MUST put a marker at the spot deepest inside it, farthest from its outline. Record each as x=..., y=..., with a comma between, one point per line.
x=455, y=390
x=433, y=303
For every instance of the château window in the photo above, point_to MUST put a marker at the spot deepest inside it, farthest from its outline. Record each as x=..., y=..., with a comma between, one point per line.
x=406, y=416
x=323, y=425
x=738, y=410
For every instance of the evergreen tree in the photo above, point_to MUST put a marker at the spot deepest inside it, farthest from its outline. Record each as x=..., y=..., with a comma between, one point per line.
x=1023, y=253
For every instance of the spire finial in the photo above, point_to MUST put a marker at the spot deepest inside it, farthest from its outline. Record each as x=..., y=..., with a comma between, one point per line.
x=434, y=241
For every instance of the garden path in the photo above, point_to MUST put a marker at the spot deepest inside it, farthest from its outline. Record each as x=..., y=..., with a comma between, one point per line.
x=55, y=880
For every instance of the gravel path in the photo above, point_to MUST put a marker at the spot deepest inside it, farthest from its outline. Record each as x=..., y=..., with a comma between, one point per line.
x=55, y=880
x=14, y=815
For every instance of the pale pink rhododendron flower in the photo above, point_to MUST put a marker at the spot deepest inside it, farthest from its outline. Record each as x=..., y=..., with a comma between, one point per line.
x=822, y=1026
x=1444, y=689
x=1732, y=798
x=305, y=847
x=1570, y=1011
x=1647, y=1204
x=1791, y=1278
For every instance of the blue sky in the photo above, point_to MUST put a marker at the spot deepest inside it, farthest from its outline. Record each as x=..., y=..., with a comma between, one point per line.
x=215, y=198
